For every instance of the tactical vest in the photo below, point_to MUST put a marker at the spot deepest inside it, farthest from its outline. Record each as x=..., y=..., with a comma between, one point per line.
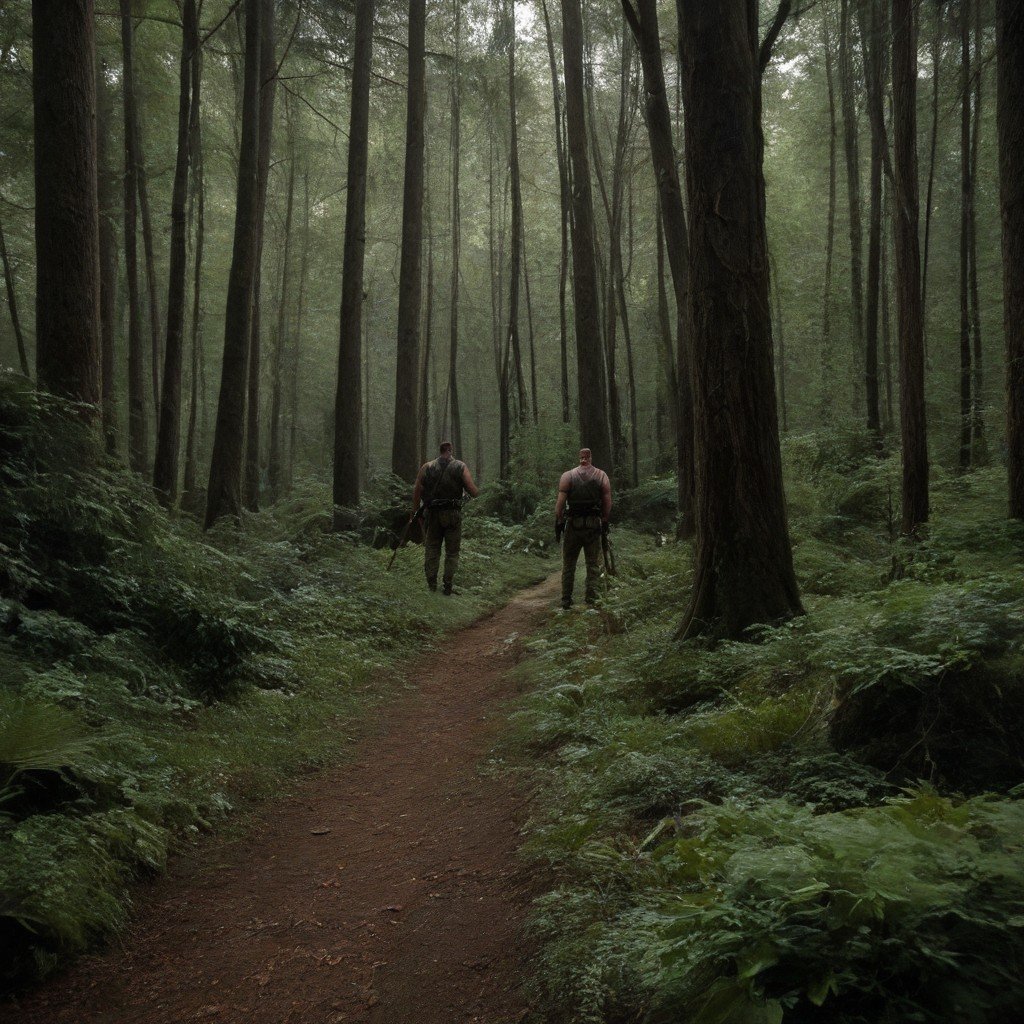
x=442, y=483
x=584, y=495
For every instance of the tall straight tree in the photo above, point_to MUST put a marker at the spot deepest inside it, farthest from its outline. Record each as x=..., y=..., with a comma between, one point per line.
x=643, y=20
x=168, y=441
x=268, y=87
x=1010, y=122
x=979, y=449
x=224, y=493
x=138, y=422
x=106, y=183
x=825, y=405
x=348, y=402
x=405, y=447
x=12, y=304
x=67, y=209
x=593, y=409
x=455, y=413
x=744, y=564
x=966, y=199
x=516, y=240
x=913, y=425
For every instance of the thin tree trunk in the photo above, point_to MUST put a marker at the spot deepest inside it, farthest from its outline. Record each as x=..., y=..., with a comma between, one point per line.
x=106, y=179
x=979, y=449
x=300, y=312
x=455, y=413
x=149, y=257
x=533, y=347
x=827, y=365
x=966, y=196
x=1010, y=122
x=404, y=451
x=224, y=494
x=138, y=423
x=165, y=465
x=593, y=418
x=348, y=410
x=12, y=305
x=66, y=205
x=932, y=149
x=423, y=407
x=913, y=425
x=516, y=256
x=886, y=325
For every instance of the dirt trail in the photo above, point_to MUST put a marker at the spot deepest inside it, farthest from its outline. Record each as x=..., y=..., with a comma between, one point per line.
x=407, y=911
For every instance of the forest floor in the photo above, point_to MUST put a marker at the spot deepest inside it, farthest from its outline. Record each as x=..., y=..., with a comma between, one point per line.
x=385, y=890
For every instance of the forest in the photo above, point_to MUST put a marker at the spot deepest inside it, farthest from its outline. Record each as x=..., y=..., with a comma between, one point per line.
x=262, y=261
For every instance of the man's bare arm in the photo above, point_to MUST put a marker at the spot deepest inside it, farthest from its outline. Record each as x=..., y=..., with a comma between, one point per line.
x=606, y=499
x=467, y=482
x=417, y=493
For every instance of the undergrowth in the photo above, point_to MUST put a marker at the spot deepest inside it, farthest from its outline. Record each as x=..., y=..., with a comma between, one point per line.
x=152, y=677
x=818, y=825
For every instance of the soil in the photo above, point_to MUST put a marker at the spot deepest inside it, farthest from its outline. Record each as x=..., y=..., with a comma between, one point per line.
x=383, y=891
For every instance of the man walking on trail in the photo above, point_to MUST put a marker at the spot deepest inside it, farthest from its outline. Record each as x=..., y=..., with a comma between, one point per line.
x=439, y=489
x=581, y=514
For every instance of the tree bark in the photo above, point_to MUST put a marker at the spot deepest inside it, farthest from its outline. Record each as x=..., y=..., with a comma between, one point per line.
x=66, y=206
x=932, y=149
x=516, y=255
x=300, y=311
x=593, y=409
x=404, y=450
x=455, y=412
x=12, y=305
x=913, y=425
x=1010, y=122
x=743, y=561
x=165, y=465
x=979, y=449
x=348, y=404
x=966, y=197
x=106, y=183
x=827, y=366
x=224, y=494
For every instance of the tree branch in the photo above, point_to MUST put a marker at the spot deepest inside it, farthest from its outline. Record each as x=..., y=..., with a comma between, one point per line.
x=632, y=19
x=765, y=53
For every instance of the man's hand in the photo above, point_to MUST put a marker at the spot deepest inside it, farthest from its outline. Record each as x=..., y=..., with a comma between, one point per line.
x=559, y=530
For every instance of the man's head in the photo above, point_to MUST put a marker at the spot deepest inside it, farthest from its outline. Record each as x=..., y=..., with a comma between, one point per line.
x=586, y=457
x=446, y=449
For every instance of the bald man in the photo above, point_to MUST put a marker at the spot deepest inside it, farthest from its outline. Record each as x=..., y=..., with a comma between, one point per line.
x=581, y=513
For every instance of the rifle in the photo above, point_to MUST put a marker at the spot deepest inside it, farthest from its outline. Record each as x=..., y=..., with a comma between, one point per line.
x=608, y=552
x=403, y=536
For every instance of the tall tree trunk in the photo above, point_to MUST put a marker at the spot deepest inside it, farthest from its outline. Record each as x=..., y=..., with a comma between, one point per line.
x=12, y=305
x=348, y=404
x=455, y=413
x=197, y=212
x=564, y=208
x=224, y=494
x=979, y=450
x=404, y=450
x=1010, y=122
x=913, y=425
x=535, y=410
x=743, y=561
x=66, y=209
x=268, y=87
x=848, y=103
x=932, y=149
x=516, y=256
x=780, y=346
x=106, y=183
x=966, y=197
x=827, y=365
x=300, y=312
x=138, y=423
x=423, y=405
x=165, y=465
x=644, y=23
x=593, y=412
x=887, y=221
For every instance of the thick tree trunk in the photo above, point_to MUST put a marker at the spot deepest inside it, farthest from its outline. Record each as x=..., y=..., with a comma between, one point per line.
x=165, y=466
x=455, y=412
x=743, y=561
x=913, y=426
x=106, y=183
x=268, y=87
x=224, y=494
x=66, y=206
x=848, y=103
x=348, y=404
x=404, y=450
x=966, y=198
x=780, y=344
x=138, y=423
x=12, y=305
x=827, y=365
x=1010, y=121
x=593, y=411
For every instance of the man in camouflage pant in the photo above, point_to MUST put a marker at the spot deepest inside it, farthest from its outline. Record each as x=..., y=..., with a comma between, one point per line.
x=440, y=486
x=581, y=514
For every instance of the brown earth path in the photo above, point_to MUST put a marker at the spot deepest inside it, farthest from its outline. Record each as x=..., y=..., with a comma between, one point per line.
x=407, y=911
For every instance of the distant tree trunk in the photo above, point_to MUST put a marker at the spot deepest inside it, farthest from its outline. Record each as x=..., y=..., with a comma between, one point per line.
x=979, y=449
x=644, y=23
x=933, y=146
x=423, y=406
x=268, y=87
x=224, y=494
x=348, y=404
x=886, y=326
x=455, y=413
x=516, y=256
x=404, y=451
x=966, y=198
x=593, y=412
x=827, y=365
x=106, y=183
x=1010, y=121
x=533, y=347
x=12, y=305
x=165, y=465
x=66, y=207
x=850, y=146
x=913, y=426
x=275, y=468
x=743, y=561
x=564, y=206
x=666, y=394
x=873, y=44
x=138, y=424
x=300, y=312
x=197, y=212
